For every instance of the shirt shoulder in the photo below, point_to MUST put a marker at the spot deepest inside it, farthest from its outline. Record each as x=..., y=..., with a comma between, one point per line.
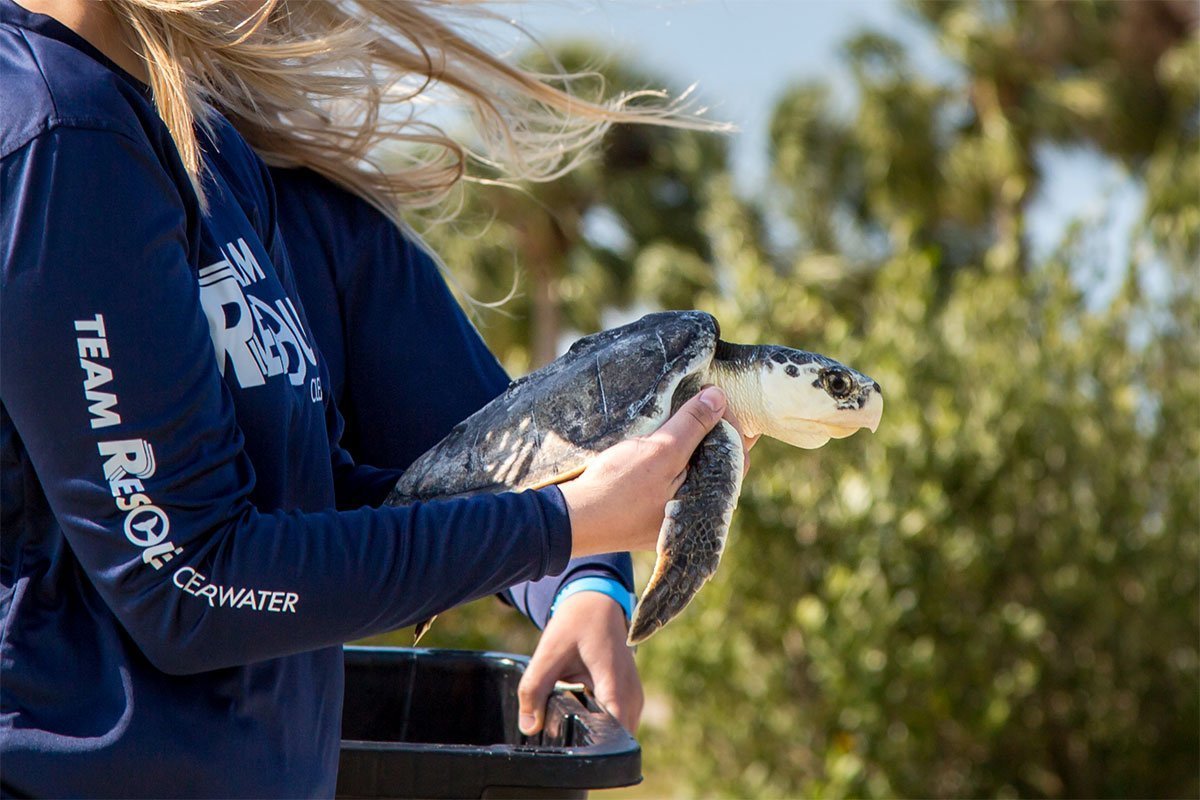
x=243, y=172
x=357, y=241
x=326, y=205
x=47, y=84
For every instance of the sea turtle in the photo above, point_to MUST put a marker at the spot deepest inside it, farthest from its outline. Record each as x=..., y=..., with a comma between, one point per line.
x=625, y=382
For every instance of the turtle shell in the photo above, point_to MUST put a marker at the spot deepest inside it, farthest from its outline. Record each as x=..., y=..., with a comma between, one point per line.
x=546, y=426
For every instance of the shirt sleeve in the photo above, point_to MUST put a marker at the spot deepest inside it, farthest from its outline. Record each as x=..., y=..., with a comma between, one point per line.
x=406, y=363
x=536, y=598
x=110, y=381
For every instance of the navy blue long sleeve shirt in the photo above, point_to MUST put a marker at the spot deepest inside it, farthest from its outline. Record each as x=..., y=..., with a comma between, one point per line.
x=175, y=577
x=405, y=363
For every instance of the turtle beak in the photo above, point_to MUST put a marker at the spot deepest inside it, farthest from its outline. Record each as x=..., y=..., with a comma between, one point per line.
x=866, y=417
x=873, y=410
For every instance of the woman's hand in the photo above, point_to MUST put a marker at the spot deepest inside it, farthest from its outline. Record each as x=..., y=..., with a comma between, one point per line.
x=584, y=642
x=618, y=503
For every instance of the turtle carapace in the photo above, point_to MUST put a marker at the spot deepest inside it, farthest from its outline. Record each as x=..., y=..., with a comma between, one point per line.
x=626, y=382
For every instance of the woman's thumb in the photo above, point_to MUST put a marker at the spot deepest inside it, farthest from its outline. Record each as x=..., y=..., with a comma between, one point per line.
x=693, y=420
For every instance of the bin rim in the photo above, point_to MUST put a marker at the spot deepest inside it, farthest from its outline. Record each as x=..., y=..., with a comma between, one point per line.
x=617, y=742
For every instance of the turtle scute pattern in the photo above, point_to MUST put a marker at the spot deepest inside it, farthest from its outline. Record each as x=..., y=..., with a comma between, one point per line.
x=599, y=392
x=605, y=388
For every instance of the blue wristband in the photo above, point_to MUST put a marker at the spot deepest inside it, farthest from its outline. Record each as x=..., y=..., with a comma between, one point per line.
x=594, y=583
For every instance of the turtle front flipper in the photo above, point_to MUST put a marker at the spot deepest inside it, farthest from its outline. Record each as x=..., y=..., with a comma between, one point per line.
x=693, y=532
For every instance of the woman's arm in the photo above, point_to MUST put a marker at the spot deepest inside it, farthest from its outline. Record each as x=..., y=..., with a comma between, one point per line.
x=111, y=384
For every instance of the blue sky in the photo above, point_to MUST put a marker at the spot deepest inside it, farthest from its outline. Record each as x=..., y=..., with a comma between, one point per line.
x=744, y=53
x=741, y=54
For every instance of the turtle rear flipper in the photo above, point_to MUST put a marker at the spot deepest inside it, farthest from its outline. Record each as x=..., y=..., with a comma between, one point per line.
x=422, y=628
x=693, y=532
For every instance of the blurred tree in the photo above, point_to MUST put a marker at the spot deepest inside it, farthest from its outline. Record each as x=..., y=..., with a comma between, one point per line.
x=996, y=595
x=953, y=166
x=575, y=241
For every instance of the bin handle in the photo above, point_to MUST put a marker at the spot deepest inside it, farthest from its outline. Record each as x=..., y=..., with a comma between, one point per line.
x=598, y=727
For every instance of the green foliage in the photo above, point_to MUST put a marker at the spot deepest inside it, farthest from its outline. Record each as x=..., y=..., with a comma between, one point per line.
x=997, y=594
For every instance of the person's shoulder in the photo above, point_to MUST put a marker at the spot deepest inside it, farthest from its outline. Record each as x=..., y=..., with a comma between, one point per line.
x=311, y=204
x=307, y=198
x=306, y=187
x=49, y=84
x=316, y=215
x=227, y=153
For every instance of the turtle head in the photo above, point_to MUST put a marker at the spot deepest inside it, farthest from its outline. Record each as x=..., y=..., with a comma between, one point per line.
x=808, y=399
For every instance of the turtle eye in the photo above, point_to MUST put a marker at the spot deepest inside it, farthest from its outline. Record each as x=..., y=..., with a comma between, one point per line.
x=837, y=382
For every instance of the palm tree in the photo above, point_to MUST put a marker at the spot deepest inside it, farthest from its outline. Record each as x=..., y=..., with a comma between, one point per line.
x=574, y=241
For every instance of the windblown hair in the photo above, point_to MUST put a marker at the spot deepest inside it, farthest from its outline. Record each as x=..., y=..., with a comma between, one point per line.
x=338, y=87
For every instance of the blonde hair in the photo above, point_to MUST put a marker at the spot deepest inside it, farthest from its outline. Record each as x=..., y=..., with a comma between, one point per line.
x=334, y=86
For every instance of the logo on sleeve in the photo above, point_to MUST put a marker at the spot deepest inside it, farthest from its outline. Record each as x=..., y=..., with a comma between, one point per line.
x=92, y=343
x=127, y=463
x=259, y=339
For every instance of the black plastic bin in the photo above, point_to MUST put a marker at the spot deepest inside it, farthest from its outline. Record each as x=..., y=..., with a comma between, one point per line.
x=443, y=723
